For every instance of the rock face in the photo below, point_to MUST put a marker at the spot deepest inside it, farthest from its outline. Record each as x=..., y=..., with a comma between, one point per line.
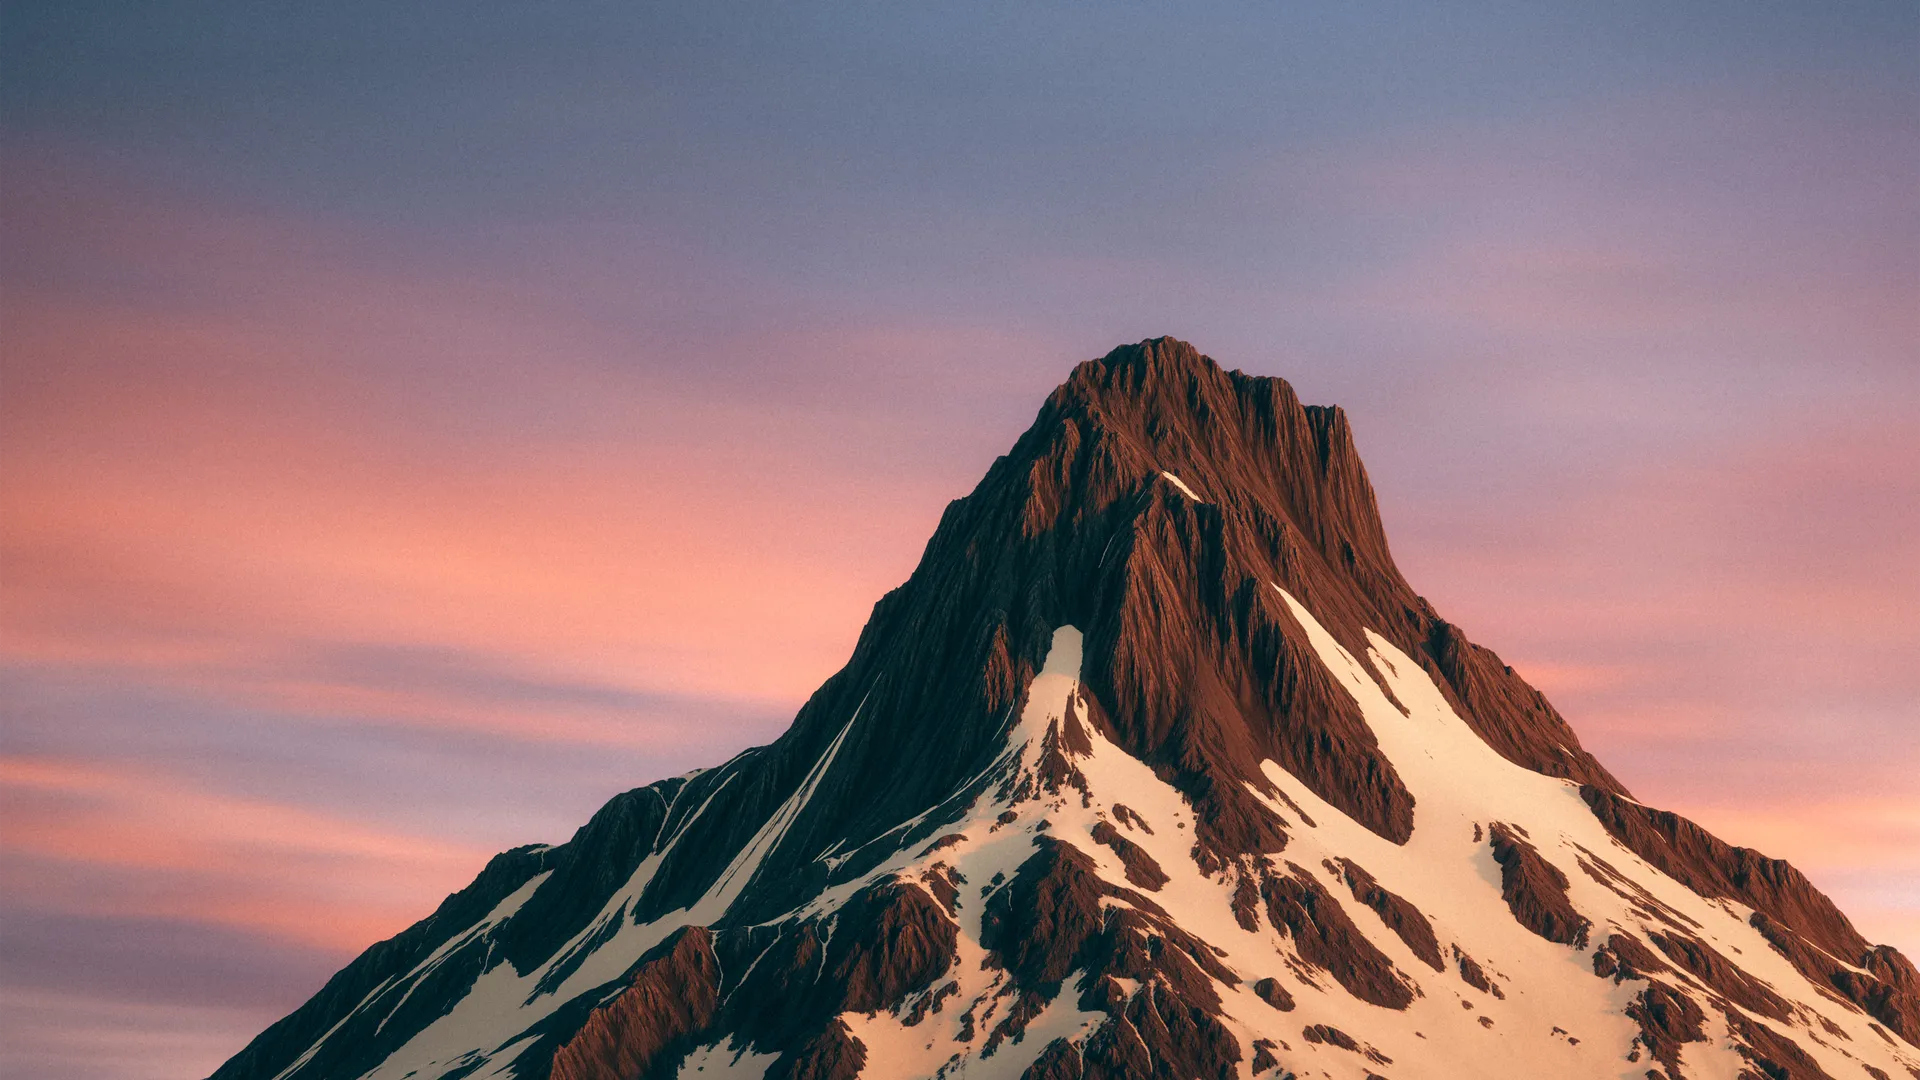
x=1155, y=767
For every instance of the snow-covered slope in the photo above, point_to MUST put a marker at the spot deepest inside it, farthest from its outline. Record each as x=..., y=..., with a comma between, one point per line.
x=1137, y=777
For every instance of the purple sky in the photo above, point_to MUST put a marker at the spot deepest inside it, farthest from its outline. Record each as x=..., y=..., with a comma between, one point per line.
x=417, y=427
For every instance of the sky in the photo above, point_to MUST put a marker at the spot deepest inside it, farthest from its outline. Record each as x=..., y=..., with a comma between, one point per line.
x=419, y=423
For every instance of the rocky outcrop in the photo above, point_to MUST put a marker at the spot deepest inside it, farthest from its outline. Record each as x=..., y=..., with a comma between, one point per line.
x=1668, y=1020
x=1535, y=890
x=672, y=998
x=1474, y=975
x=1159, y=1036
x=1299, y=906
x=1053, y=920
x=1705, y=963
x=1624, y=957
x=1771, y=1055
x=833, y=1054
x=1397, y=912
x=1140, y=867
x=790, y=981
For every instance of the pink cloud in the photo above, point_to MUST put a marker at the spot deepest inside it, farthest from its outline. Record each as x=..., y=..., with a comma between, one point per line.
x=178, y=851
x=285, y=453
x=138, y=1041
x=229, y=510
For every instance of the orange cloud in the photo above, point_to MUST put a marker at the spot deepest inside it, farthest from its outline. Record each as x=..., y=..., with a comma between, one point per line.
x=178, y=851
x=120, y=1038
x=191, y=489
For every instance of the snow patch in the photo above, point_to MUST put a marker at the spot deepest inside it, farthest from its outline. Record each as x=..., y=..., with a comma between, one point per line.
x=1183, y=487
x=732, y=881
x=719, y=1062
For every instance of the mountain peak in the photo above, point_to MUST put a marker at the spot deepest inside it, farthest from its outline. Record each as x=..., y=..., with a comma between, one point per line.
x=1163, y=407
x=1154, y=767
x=1164, y=362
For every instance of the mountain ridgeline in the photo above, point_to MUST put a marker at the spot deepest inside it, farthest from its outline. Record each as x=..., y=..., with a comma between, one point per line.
x=1155, y=767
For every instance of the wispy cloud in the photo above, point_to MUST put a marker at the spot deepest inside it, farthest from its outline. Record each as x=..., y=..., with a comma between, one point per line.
x=167, y=848
x=78, y=1037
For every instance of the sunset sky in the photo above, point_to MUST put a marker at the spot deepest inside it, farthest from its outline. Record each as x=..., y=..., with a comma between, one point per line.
x=419, y=423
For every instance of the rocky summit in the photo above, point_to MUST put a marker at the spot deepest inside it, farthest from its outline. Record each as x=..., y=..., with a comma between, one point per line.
x=1156, y=767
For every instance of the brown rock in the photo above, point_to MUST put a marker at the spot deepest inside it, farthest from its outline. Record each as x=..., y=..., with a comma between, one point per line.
x=1705, y=963
x=1246, y=902
x=1140, y=867
x=1472, y=974
x=834, y=1054
x=1667, y=1019
x=1331, y=1036
x=889, y=940
x=1396, y=911
x=1772, y=1055
x=1049, y=921
x=1713, y=868
x=1270, y=991
x=1623, y=957
x=671, y=998
x=1160, y=1038
x=1125, y=815
x=1263, y=1058
x=1027, y=1004
x=1535, y=890
x=1297, y=905
x=1059, y=1060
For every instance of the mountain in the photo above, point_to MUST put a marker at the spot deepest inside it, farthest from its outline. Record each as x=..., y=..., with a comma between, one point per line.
x=1155, y=767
